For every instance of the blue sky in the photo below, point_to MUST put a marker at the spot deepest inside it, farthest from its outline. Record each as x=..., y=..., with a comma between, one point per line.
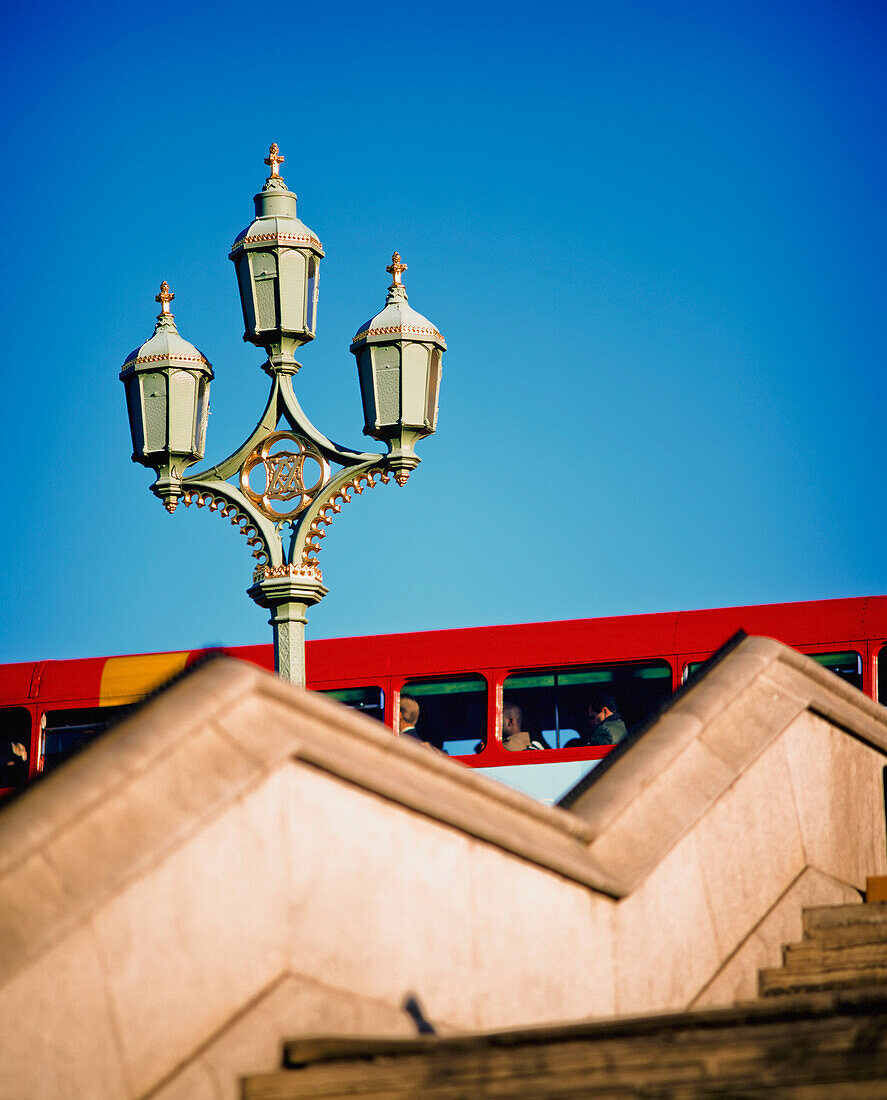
x=653, y=236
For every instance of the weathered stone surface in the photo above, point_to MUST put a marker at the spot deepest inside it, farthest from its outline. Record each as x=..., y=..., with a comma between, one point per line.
x=838, y=789
x=821, y=919
x=522, y=934
x=801, y=957
x=754, y=815
x=787, y=980
x=210, y=923
x=671, y=802
x=755, y=718
x=252, y=1041
x=762, y=947
x=848, y=951
x=666, y=944
x=59, y=1035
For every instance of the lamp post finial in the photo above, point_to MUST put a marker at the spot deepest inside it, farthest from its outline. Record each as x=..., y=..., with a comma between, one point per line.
x=274, y=160
x=164, y=298
x=395, y=269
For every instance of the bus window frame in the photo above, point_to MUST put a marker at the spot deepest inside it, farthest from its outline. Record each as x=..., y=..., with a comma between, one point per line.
x=33, y=769
x=861, y=649
x=442, y=678
x=325, y=689
x=496, y=755
x=319, y=687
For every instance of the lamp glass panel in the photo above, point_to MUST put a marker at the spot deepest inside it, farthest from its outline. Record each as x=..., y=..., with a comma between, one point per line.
x=134, y=408
x=246, y=293
x=366, y=378
x=154, y=391
x=202, y=414
x=386, y=368
x=433, y=390
x=182, y=402
x=313, y=286
x=415, y=384
x=264, y=269
x=293, y=285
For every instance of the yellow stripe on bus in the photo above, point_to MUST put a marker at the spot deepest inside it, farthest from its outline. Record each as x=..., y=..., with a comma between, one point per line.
x=128, y=679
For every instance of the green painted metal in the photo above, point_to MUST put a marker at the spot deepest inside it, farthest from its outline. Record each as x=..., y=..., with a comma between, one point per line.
x=398, y=356
x=277, y=261
x=277, y=258
x=167, y=395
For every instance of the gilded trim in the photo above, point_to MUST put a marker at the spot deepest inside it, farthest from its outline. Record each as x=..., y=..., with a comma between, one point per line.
x=166, y=359
x=298, y=238
x=306, y=572
x=412, y=330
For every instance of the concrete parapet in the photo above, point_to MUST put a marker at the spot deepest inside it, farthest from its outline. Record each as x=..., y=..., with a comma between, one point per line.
x=241, y=858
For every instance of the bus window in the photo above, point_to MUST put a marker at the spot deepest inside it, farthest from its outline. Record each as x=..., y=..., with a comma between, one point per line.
x=452, y=713
x=68, y=731
x=553, y=705
x=881, y=675
x=846, y=665
x=15, y=744
x=368, y=700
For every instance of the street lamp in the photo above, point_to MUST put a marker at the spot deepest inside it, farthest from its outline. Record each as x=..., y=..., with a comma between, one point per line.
x=283, y=486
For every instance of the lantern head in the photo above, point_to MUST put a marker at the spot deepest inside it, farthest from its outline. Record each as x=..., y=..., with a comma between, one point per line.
x=277, y=259
x=398, y=356
x=167, y=396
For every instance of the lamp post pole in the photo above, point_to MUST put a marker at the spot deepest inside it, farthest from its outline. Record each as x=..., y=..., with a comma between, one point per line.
x=283, y=485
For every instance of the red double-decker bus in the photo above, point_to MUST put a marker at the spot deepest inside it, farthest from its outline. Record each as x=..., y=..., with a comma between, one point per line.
x=462, y=681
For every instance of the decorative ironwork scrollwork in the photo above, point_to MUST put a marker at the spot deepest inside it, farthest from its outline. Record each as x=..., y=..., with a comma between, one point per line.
x=284, y=472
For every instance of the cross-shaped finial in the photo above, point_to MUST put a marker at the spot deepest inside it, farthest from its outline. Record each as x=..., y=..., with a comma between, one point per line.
x=274, y=160
x=396, y=269
x=164, y=298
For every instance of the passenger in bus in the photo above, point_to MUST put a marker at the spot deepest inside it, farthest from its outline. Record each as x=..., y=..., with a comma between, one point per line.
x=605, y=725
x=15, y=764
x=514, y=737
x=409, y=717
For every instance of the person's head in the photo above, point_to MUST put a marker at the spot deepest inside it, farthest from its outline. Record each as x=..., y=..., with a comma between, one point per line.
x=409, y=712
x=512, y=719
x=601, y=704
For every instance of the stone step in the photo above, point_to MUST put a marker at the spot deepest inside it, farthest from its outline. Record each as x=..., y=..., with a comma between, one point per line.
x=810, y=955
x=845, y=935
x=816, y=1047
x=782, y=981
x=839, y=916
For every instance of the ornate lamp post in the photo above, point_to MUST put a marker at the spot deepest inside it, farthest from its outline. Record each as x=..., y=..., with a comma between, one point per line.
x=282, y=487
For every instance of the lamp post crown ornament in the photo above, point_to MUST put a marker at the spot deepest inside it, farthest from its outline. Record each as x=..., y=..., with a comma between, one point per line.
x=274, y=161
x=164, y=298
x=395, y=269
x=165, y=317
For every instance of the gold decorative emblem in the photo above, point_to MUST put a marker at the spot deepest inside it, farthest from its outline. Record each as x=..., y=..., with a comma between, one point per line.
x=395, y=269
x=274, y=160
x=285, y=475
x=164, y=298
